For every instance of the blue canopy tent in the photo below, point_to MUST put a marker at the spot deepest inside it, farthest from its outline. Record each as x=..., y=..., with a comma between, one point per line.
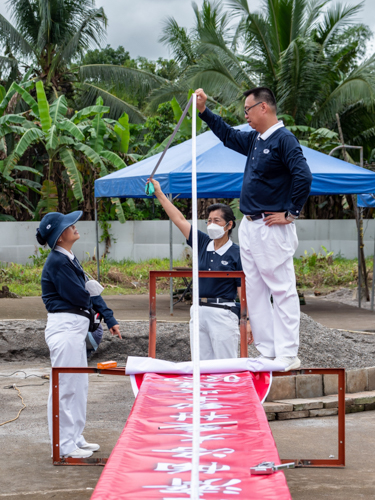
x=366, y=200
x=220, y=173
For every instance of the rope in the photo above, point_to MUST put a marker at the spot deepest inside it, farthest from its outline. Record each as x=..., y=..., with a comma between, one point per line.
x=19, y=413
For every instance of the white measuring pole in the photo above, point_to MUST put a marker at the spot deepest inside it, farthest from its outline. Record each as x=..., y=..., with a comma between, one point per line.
x=196, y=368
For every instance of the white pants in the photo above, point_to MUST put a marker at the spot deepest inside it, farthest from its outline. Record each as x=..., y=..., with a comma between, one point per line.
x=218, y=333
x=267, y=260
x=66, y=338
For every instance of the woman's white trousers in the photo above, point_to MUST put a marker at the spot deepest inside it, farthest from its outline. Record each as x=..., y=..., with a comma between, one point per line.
x=267, y=260
x=218, y=333
x=66, y=338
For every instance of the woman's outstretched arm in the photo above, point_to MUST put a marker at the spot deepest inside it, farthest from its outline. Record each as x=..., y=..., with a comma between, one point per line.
x=173, y=212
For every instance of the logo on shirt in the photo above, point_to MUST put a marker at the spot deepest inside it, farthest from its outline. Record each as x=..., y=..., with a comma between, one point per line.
x=224, y=262
x=266, y=151
x=49, y=226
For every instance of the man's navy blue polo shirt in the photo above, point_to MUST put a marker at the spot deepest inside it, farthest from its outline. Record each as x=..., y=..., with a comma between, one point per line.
x=277, y=177
x=226, y=258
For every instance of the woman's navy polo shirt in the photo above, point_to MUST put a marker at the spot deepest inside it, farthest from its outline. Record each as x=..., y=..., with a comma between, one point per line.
x=225, y=288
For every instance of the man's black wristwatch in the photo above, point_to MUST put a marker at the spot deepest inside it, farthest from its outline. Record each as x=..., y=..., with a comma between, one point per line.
x=290, y=217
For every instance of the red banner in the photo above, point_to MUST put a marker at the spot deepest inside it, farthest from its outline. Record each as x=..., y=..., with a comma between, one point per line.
x=152, y=458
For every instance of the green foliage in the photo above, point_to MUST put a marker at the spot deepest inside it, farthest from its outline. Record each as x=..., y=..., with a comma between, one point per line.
x=48, y=200
x=323, y=270
x=106, y=55
x=39, y=258
x=160, y=126
x=122, y=129
x=71, y=145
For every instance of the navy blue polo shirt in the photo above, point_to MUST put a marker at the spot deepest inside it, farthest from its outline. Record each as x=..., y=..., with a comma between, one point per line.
x=277, y=177
x=63, y=288
x=212, y=260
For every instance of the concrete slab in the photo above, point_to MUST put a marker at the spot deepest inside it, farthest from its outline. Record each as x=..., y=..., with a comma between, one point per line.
x=338, y=315
x=317, y=438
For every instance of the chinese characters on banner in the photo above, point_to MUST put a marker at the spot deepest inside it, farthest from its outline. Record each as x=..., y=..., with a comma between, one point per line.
x=152, y=459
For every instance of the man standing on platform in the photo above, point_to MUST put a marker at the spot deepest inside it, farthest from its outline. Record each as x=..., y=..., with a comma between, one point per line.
x=276, y=184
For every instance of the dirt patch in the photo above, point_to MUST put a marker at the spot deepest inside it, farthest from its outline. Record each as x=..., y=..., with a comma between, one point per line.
x=319, y=345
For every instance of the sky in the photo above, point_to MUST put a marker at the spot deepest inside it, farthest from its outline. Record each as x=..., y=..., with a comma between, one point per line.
x=137, y=24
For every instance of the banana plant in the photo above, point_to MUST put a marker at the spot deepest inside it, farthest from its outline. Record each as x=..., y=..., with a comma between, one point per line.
x=65, y=140
x=16, y=186
x=101, y=135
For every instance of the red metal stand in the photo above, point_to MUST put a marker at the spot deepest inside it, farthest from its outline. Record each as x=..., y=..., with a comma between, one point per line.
x=313, y=462
x=202, y=274
x=56, y=459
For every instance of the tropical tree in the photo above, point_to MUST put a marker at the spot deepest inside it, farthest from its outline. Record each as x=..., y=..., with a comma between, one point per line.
x=49, y=34
x=70, y=145
x=311, y=53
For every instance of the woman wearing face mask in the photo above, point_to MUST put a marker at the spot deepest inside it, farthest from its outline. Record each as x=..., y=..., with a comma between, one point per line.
x=68, y=298
x=218, y=324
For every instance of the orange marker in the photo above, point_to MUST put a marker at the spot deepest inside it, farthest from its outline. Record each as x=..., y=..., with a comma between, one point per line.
x=107, y=364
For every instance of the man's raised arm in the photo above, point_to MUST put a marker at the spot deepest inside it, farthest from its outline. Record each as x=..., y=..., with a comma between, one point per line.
x=231, y=138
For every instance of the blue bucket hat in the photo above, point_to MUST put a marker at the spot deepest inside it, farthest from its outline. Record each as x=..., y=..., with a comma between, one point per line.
x=53, y=225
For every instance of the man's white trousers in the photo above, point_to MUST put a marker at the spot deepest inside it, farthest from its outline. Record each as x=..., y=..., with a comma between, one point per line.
x=267, y=260
x=218, y=332
x=66, y=338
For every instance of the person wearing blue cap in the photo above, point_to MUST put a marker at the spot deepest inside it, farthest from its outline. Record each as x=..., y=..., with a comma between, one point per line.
x=69, y=297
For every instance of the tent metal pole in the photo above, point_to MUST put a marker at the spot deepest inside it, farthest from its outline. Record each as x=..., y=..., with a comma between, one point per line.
x=97, y=239
x=170, y=260
x=359, y=259
x=373, y=280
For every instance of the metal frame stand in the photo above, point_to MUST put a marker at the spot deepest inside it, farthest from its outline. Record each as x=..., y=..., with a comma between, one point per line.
x=202, y=274
x=321, y=462
x=56, y=459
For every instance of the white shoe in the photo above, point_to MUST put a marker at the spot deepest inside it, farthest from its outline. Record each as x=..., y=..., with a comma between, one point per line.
x=290, y=363
x=79, y=453
x=90, y=447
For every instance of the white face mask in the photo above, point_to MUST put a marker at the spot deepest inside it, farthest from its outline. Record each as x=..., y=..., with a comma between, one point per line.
x=215, y=231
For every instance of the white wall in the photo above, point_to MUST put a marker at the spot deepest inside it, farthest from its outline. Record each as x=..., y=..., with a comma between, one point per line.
x=140, y=240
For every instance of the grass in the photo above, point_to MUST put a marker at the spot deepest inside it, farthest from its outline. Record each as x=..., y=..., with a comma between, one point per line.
x=323, y=271
x=320, y=271
x=119, y=278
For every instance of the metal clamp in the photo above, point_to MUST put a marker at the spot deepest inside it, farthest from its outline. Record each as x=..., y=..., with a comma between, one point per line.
x=269, y=468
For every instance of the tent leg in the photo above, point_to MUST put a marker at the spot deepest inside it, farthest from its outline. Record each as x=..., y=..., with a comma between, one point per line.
x=170, y=261
x=359, y=263
x=373, y=279
x=97, y=238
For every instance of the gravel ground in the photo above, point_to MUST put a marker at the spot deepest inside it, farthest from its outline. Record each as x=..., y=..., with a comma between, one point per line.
x=349, y=297
x=319, y=346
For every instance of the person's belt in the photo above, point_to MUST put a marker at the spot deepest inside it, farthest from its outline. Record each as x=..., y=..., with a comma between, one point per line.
x=252, y=218
x=235, y=309
x=218, y=300
x=77, y=310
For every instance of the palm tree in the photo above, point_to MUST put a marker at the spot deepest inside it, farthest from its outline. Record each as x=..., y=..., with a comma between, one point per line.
x=309, y=52
x=49, y=36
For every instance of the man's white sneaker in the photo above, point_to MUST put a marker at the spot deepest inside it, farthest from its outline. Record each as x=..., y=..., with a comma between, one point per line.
x=290, y=363
x=79, y=453
x=90, y=447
